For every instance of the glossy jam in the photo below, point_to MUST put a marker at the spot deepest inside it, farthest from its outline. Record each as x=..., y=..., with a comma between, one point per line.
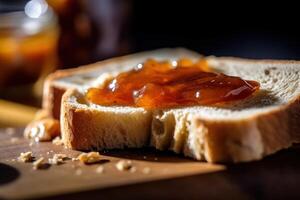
x=171, y=84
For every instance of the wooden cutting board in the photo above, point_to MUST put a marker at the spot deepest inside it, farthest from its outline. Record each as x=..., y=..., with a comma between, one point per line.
x=170, y=176
x=24, y=182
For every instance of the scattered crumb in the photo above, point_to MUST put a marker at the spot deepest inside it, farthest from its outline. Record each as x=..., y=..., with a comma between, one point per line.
x=14, y=140
x=26, y=157
x=31, y=144
x=78, y=172
x=57, y=141
x=100, y=170
x=156, y=159
x=145, y=157
x=37, y=133
x=57, y=159
x=132, y=169
x=38, y=164
x=13, y=160
x=146, y=170
x=42, y=130
x=89, y=158
x=123, y=165
x=75, y=159
x=48, y=152
x=10, y=131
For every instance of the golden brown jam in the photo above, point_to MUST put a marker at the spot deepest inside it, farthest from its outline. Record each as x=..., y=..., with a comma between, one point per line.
x=166, y=85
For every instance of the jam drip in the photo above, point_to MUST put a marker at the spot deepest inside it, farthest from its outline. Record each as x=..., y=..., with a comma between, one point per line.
x=167, y=85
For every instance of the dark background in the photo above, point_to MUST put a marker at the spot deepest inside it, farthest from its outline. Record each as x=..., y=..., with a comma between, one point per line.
x=246, y=29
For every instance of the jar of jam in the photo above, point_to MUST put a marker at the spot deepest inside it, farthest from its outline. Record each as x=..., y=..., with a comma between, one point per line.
x=28, y=38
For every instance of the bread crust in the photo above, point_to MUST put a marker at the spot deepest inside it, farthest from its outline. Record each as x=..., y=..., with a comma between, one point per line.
x=53, y=92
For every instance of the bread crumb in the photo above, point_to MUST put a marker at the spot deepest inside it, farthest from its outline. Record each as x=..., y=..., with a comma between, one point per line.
x=26, y=157
x=57, y=159
x=38, y=164
x=42, y=130
x=89, y=158
x=100, y=170
x=146, y=170
x=75, y=159
x=132, y=169
x=57, y=141
x=13, y=160
x=61, y=155
x=78, y=172
x=145, y=157
x=156, y=159
x=123, y=165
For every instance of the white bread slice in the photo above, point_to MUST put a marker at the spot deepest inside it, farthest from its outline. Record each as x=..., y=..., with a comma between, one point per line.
x=240, y=131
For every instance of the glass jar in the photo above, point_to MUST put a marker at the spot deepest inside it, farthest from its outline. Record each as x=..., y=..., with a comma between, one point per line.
x=28, y=45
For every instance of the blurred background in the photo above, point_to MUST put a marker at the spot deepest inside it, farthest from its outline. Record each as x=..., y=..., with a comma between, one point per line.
x=40, y=36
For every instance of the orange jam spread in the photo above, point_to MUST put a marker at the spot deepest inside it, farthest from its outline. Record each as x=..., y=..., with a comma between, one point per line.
x=165, y=84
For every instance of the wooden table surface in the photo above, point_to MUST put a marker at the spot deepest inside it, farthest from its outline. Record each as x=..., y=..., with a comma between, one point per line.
x=170, y=177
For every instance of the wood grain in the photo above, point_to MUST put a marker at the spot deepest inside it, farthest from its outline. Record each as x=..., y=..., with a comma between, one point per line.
x=170, y=177
x=63, y=179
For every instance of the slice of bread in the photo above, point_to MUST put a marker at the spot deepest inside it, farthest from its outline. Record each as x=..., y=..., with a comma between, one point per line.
x=239, y=131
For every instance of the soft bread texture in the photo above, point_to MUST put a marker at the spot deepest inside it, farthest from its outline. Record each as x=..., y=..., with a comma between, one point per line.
x=87, y=127
x=239, y=131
